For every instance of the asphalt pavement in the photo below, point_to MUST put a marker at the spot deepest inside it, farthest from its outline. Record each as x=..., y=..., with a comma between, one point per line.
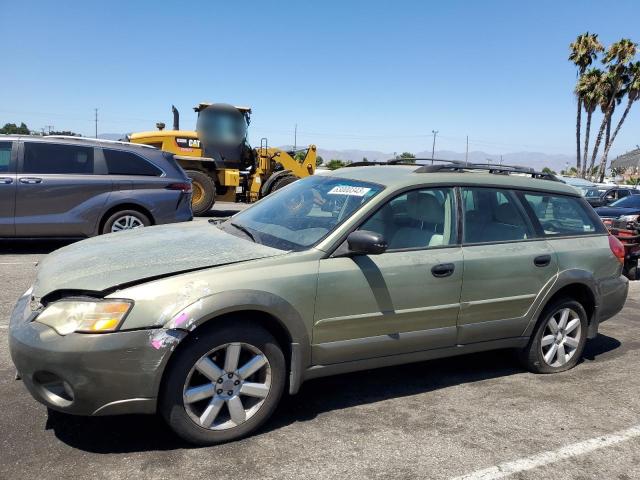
x=479, y=415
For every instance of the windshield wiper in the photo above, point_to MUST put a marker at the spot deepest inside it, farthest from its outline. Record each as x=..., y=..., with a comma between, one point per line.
x=244, y=230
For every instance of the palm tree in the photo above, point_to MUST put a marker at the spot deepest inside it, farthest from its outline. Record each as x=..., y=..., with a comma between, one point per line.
x=617, y=56
x=583, y=52
x=588, y=91
x=633, y=94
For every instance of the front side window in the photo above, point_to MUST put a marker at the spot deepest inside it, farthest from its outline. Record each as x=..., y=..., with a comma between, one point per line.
x=563, y=215
x=300, y=215
x=120, y=162
x=57, y=158
x=416, y=219
x=5, y=156
x=493, y=215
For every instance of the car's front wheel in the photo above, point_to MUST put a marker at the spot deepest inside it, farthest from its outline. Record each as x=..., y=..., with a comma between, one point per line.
x=223, y=384
x=559, y=338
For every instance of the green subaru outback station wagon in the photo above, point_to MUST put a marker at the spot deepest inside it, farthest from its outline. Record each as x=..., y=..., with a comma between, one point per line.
x=208, y=324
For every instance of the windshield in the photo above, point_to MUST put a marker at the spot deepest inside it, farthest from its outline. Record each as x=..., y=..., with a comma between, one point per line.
x=303, y=213
x=218, y=127
x=632, y=201
x=589, y=192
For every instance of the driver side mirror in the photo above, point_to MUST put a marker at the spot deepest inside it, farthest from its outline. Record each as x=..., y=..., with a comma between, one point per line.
x=364, y=242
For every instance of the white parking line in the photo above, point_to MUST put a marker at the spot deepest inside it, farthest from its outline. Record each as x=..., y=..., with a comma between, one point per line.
x=18, y=263
x=528, y=463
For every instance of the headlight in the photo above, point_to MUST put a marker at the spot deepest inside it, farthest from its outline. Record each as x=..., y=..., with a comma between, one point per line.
x=86, y=316
x=629, y=218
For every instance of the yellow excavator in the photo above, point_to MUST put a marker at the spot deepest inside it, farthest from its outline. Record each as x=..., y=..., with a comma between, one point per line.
x=219, y=160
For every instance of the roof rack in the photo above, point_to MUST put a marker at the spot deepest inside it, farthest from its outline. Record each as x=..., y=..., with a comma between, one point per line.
x=98, y=140
x=460, y=166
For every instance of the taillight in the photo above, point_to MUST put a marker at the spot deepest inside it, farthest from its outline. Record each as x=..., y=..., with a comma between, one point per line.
x=183, y=187
x=617, y=248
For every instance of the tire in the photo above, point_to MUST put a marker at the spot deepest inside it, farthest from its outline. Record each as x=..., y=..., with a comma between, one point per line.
x=127, y=219
x=283, y=182
x=539, y=358
x=186, y=418
x=633, y=273
x=204, y=192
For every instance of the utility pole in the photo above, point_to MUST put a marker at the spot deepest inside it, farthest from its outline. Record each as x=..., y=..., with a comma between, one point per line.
x=433, y=148
x=466, y=154
x=96, y=119
x=49, y=128
x=500, y=160
x=295, y=137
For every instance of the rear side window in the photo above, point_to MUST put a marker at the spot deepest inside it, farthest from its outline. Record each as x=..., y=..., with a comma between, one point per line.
x=492, y=215
x=120, y=162
x=561, y=215
x=57, y=158
x=5, y=156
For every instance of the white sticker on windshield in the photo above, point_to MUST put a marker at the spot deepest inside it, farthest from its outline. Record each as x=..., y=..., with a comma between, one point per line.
x=349, y=190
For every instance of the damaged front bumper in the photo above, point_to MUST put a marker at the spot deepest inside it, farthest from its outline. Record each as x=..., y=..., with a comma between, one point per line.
x=90, y=374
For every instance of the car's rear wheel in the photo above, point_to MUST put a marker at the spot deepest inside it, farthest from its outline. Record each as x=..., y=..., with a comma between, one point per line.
x=203, y=194
x=223, y=385
x=559, y=338
x=125, y=220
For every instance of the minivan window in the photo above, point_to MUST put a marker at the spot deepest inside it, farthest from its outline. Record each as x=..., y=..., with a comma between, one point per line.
x=5, y=156
x=492, y=215
x=563, y=215
x=120, y=162
x=57, y=158
x=417, y=219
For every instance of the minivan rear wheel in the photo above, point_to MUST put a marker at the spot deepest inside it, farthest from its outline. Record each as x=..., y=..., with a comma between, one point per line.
x=125, y=220
x=559, y=338
x=223, y=384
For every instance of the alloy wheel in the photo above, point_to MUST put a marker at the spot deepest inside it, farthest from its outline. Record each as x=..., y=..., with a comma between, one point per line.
x=561, y=337
x=227, y=386
x=126, y=222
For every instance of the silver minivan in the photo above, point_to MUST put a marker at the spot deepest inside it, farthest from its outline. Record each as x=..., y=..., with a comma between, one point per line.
x=80, y=187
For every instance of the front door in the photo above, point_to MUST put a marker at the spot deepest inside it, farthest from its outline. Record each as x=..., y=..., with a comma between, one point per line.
x=58, y=190
x=506, y=266
x=404, y=300
x=7, y=188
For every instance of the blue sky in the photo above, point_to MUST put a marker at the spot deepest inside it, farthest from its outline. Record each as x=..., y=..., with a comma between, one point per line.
x=352, y=74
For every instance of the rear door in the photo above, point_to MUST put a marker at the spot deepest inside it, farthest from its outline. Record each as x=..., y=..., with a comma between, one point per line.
x=8, y=155
x=506, y=265
x=59, y=191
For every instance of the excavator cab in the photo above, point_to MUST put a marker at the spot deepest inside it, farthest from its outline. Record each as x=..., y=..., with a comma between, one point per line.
x=222, y=129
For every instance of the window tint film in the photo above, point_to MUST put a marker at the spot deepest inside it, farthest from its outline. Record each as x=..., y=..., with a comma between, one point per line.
x=417, y=219
x=127, y=163
x=492, y=215
x=57, y=158
x=560, y=215
x=5, y=156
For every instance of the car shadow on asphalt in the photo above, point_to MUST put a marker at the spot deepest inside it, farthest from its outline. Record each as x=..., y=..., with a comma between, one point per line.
x=136, y=433
x=32, y=246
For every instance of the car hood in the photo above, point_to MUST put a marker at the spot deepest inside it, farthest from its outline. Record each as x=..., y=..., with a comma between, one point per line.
x=106, y=262
x=616, y=211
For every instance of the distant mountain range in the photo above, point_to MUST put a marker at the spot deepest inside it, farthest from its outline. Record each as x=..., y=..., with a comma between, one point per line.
x=535, y=160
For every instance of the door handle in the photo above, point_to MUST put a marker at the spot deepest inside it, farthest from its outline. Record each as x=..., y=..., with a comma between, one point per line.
x=443, y=270
x=542, y=260
x=30, y=180
x=6, y=180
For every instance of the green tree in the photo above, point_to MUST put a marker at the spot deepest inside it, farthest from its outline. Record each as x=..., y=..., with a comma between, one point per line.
x=583, y=52
x=632, y=90
x=299, y=156
x=319, y=161
x=334, y=164
x=407, y=157
x=13, y=129
x=548, y=171
x=616, y=58
x=588, y=90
